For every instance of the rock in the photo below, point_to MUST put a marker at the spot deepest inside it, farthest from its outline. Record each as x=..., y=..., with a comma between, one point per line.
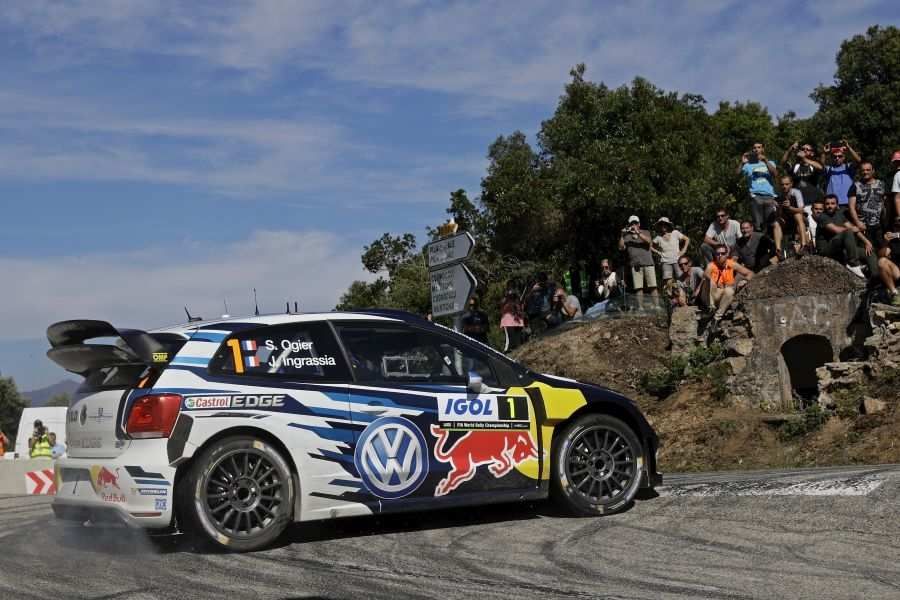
x=737, y=364
x=683, y=329
x=739, y=347
x=873, y=405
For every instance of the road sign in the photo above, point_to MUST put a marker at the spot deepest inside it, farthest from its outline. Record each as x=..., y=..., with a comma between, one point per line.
x=447, y=251
x=451, y=288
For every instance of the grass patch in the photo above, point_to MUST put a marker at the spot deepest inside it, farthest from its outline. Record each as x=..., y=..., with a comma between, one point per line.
x=697, y=365
x=813, y=420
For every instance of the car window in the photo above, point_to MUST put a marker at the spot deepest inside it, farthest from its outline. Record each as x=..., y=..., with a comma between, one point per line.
x=409, y=355
x=303, y=350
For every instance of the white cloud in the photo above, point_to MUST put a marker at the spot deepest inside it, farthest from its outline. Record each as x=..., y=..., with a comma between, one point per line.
x=149, y=288
x=775, y=52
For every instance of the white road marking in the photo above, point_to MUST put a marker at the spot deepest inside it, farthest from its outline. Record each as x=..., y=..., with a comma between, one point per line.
x=847, y=486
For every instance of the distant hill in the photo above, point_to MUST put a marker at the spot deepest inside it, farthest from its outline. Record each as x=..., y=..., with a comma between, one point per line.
x=42, y=396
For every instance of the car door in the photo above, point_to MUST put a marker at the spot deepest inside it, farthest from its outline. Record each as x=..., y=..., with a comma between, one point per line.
x=425, y=434
x=299, y=371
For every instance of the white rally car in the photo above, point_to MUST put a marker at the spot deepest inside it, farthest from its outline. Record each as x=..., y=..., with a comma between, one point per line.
x=232, y=429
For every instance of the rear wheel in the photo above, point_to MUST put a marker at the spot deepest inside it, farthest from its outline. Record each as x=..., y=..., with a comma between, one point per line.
x=598, y=465
x=238, y=494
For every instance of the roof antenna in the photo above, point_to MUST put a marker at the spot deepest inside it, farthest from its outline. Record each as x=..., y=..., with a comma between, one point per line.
x=296, y=307
x=190, y=318
x=287, y=307
x=255, y=303
x=225, y=315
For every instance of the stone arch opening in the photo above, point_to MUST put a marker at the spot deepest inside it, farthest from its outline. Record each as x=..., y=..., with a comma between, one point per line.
x=802, y=355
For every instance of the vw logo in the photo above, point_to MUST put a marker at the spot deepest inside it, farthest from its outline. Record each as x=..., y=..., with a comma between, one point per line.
x=83, y=416
x=391, y=457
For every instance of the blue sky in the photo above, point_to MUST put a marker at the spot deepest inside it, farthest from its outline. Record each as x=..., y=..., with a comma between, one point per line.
x=156, y=154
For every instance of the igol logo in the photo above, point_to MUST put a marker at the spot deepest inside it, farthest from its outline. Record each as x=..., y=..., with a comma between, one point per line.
x=392, y=457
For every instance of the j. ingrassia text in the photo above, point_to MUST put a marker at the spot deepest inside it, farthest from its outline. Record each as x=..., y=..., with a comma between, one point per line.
x=297, y=362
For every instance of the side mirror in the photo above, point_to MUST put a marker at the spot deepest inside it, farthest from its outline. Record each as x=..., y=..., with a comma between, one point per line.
x=474, y=383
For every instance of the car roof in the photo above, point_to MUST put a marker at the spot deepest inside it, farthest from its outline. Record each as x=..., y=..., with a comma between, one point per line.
x=281, y=318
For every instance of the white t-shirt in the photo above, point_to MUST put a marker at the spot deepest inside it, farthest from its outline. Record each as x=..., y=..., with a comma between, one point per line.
x=896, y=187
x=670, y=248
x=727, y=236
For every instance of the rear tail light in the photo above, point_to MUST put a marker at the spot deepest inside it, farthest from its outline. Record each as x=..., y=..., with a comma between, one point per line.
x=153, y=416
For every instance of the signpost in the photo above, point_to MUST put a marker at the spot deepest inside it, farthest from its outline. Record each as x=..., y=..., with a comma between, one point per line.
x=452, y=284
x=447, y=251
x=451, y=288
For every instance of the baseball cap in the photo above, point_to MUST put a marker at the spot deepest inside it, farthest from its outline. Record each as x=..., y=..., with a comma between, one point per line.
x=896, y=156
x=633, y=219
x=663, y=220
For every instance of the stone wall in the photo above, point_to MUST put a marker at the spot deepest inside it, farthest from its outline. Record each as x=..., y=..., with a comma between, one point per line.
x=813, y=296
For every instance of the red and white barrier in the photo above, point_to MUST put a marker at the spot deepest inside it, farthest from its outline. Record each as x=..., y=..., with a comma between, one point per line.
x=40, y=482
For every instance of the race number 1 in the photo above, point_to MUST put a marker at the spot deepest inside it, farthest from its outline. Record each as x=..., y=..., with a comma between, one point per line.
x=512, y=408
x=235, y=346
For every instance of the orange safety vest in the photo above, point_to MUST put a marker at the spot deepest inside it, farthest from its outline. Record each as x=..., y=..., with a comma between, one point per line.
x=723, y=276
x=3, y=442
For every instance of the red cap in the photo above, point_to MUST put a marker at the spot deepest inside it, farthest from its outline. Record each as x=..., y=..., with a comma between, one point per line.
x=896, y=156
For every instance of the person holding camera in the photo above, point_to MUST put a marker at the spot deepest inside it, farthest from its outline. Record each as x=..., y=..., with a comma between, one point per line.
x=804, y=170
x=760, y=173
x=563, y=308
x=637, y=242
x=39, y=443
x=889, y=262
x=839, y=175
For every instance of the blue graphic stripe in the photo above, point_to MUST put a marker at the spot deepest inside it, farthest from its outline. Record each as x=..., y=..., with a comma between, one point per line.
x=152, y=482
x=191, y=360
x=327, y=433
x=400, y=401
x=208, y=336
x=331, y=455
x=347, y=483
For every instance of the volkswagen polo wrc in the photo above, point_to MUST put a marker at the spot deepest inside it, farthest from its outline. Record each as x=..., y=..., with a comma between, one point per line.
x=231, y=429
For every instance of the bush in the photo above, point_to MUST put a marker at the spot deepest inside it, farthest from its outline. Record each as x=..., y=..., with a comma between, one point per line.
x=697, y=364
x=813, y=419
x=847, y=401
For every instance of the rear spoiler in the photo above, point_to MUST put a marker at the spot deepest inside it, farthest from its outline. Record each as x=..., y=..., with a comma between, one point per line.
x=69, y=350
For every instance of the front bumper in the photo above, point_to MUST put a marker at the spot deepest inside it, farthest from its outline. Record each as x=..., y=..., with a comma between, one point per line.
x=114, y=490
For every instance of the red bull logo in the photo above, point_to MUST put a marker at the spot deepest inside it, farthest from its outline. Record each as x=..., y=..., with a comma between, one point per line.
x=106, y=478
x=500, y=450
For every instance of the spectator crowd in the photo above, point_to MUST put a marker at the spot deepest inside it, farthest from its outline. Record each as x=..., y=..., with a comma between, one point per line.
x=832, y=204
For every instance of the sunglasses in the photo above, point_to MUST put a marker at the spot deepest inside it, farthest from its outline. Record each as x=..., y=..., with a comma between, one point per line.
x=682, y=264
x=721, y=254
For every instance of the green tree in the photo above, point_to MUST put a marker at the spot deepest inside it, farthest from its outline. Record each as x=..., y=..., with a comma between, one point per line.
x=11, y=405
x=388, y=252
x=861, y=104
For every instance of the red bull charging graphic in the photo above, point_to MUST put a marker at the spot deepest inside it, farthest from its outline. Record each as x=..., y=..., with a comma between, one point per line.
x=500, y=450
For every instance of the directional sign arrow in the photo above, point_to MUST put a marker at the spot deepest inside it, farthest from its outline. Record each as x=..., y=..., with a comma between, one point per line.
x=451, y=288
x=449, y=250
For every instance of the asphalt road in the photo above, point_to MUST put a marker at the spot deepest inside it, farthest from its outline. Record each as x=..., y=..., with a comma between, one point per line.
x=832, y=533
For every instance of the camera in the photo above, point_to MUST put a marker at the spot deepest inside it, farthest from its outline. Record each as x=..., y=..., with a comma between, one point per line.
x=752, y=156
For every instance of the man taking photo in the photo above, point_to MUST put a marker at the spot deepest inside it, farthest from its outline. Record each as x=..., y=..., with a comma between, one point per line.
x=637, y=243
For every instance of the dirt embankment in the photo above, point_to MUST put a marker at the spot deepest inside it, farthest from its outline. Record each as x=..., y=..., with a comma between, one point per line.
x=699, y=433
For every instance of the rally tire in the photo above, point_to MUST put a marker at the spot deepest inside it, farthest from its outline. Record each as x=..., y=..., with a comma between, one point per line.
x=237, y=495
x=598, y=465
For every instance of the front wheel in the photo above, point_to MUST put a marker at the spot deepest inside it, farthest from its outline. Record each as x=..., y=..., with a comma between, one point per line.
x=598, y=465
x=238, y=494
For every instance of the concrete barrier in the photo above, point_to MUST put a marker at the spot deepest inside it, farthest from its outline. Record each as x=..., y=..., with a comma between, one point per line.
x=14, y=476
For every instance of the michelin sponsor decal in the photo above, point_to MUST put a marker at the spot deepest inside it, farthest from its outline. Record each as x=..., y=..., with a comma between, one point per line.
x=483, y=413
x=234, y=401
x=152, y=491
